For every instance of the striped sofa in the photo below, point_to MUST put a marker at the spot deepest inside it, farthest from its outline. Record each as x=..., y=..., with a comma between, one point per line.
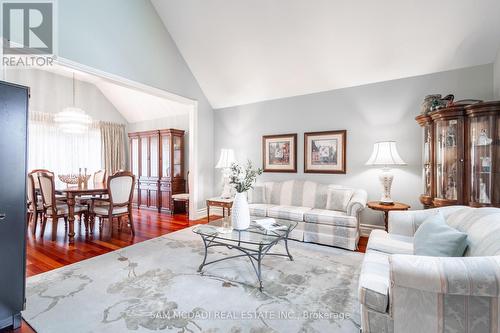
x=311, y=205
x=402, y=292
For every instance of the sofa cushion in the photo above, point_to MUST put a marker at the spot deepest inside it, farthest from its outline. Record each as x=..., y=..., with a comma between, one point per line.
x=257, y=195
x=338, y=198
x=436, y=238
x=259, y=209
x=331, y=217
x=374, y=281
x=294, y=213
x=482, y=226
x=382, y=241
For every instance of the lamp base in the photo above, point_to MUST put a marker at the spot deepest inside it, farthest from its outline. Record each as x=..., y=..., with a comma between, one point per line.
x=227, y=189
x=386, y=178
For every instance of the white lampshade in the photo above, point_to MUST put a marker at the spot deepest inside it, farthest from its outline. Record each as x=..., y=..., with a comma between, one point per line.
x=226, y=159
x=385, y=154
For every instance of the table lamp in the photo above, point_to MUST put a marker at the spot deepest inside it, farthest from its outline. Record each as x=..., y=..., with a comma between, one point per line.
x=385, y=155
x=225, y=161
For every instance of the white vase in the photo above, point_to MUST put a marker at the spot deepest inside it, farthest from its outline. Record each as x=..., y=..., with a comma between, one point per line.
x=240, y=214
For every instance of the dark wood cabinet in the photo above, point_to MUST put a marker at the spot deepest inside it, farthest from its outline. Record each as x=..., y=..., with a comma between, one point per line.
x=13, y=145
x=157, y=160
x=461, y=155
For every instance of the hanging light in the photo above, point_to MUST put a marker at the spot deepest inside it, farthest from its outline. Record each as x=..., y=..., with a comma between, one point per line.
x=73, y=119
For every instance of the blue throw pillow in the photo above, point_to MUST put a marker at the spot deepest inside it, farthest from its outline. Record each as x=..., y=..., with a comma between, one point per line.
x=435, y=238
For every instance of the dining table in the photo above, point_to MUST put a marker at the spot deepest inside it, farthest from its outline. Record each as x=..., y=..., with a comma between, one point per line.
x=72, y=192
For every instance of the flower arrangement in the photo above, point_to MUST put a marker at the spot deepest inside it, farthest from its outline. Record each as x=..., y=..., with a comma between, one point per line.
x=243, y=177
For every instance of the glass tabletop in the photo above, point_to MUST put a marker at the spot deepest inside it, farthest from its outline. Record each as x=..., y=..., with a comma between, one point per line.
x=253, y=235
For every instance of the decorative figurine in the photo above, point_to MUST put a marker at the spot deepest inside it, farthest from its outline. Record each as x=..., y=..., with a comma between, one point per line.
x=485, y=164
x=442, y=102
x=483, y=139
x=450, y=137
x=483, y=196
x=428, y=102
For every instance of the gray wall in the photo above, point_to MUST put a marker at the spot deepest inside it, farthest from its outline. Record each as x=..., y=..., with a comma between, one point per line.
x=496, y=77
x=370, y=113
x=127, y=38
x=180, y=121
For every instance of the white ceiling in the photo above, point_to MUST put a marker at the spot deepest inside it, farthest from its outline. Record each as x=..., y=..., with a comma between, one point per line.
x=133, y=104
x=244, y=51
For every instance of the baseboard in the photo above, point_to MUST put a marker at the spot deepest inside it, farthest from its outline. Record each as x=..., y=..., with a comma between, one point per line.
x=202, y=212
x=366, y=229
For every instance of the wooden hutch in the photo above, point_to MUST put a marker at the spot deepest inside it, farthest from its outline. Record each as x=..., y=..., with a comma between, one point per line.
x=157, y=161
x=461, y=155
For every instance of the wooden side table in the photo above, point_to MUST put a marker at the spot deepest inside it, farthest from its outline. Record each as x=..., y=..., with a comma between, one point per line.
x=220, y=202
x=376, y=205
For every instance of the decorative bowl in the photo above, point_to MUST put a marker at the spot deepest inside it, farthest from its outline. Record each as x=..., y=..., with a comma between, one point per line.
x=73, y=179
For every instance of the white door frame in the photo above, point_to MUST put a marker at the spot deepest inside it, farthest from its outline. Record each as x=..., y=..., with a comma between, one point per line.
x=193, y=116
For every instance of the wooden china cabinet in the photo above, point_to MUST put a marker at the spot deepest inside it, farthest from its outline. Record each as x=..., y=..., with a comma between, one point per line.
x=483, y=162
x=448, y=156
x=157, y=160
x=425, y=122
x=461, y=155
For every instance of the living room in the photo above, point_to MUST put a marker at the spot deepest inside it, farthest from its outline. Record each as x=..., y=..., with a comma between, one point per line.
x=285, y=166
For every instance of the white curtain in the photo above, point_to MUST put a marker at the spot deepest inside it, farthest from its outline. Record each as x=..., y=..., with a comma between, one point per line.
x=50, y=148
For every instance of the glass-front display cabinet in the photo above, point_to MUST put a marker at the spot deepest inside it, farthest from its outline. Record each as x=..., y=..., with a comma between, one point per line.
x=157, y=161
x=426, y=123
x=483, y=167
x=449, y=155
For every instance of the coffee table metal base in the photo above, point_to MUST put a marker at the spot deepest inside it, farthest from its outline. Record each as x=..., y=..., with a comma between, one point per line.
x=255, y=255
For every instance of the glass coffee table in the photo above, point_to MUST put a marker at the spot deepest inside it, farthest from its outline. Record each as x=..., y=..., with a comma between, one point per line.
x=254, y=242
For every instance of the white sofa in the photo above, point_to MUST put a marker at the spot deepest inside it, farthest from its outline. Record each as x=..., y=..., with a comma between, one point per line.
x=402, y=292
x=306, y=202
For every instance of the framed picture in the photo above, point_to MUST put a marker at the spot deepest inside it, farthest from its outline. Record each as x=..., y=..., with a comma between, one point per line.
x=279, y=153
x=325, y=152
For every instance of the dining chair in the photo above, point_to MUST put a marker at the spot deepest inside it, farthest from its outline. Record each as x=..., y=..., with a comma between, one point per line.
x=100, y=177
x=35, y=173
x=182, y=197
x=118, y=204
x=53, y=208
x=35, y=206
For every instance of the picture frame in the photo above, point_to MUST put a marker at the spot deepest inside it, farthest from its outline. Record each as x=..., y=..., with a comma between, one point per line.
x=325, y=152
x=279, y=153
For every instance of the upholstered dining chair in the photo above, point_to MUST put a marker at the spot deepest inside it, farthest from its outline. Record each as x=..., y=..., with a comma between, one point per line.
x=35, y=206
x=182, y=197
x=118, y=204
x=35, y=173
x=53, y=208
x=100, y=177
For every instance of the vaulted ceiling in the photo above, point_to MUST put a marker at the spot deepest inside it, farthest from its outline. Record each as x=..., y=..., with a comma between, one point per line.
x=244, y=51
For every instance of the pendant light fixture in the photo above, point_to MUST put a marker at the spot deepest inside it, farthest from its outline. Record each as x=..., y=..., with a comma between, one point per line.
x=73, y=119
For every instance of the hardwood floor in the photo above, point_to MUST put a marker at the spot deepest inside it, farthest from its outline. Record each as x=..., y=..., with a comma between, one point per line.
x=52, y=250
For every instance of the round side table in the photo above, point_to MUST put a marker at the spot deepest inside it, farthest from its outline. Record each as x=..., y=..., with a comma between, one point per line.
x=376, y=205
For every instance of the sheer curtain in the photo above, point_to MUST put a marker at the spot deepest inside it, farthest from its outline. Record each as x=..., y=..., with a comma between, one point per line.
x=50, y=148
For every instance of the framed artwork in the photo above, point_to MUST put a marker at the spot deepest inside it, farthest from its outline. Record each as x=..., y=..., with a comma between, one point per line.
x=325, y=152
x=279, y=153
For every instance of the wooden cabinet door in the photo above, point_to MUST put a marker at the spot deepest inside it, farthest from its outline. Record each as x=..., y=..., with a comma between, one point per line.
x=144, y=153
x=134, y=165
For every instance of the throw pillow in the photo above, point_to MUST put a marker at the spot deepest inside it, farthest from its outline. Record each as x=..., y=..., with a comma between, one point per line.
x=257, y=195
x=338, y=198
x=435, y=238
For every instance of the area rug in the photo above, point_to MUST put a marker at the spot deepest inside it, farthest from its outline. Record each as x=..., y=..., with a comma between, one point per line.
x=154, y=286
